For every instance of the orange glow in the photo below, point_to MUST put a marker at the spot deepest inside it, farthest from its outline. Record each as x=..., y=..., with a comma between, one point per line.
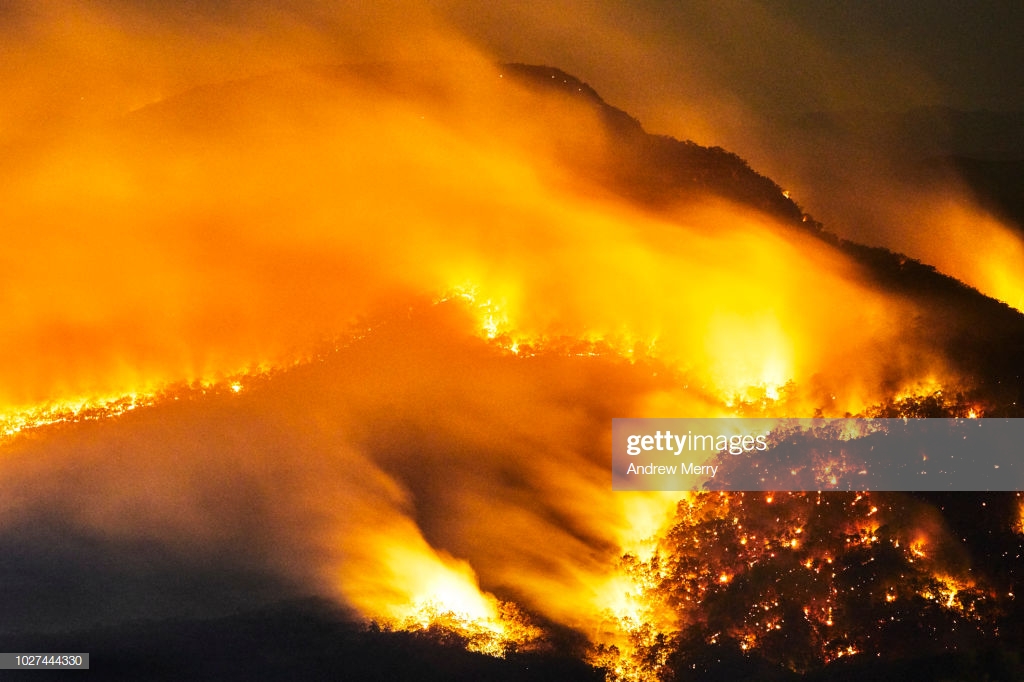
x=425, y=589
x=187, y=249
x=708, y=573
x=404, y=308
x=952, y=231
x=1018, y=522
x=219, y=244
x=975, y=247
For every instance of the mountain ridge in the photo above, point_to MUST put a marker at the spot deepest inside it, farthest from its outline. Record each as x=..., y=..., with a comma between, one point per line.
x=981, y=336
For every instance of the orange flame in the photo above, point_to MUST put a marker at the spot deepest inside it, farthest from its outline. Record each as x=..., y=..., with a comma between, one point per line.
x=242, y=224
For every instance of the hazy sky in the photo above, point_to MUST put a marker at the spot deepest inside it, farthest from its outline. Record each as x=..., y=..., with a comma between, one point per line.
x=666, y=62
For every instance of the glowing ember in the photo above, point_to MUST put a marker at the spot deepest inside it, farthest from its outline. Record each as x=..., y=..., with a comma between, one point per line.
x=850, y=551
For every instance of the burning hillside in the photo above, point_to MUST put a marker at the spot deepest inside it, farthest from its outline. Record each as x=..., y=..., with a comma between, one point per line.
x=803, y=579
x=361, y=332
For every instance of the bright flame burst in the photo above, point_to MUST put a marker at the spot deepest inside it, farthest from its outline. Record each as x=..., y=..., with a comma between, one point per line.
x=71, y=411
x=758, y=371
x=87, y=409
x=450, y=601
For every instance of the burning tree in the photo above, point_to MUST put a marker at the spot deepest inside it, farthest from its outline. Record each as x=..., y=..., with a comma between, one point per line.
x=773, y=581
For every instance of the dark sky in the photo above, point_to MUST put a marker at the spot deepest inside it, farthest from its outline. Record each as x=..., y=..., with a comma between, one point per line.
x=677, y=65
x=971, y=52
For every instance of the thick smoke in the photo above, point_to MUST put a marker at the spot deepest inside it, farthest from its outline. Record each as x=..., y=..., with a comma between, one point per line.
x=450, y=313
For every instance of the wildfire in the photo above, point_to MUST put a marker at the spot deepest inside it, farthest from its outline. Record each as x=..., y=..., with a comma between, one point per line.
x=977, y=247
x=709, y=565
x=263, y=228
x=678, y=572
x=70, y=411
x=484, y=624
x=90, y=409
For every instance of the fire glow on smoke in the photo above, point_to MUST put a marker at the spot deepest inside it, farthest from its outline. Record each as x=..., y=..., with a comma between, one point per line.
x=440, y=317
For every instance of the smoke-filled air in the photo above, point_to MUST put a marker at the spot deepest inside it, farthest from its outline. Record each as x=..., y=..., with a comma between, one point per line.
x=306, y=300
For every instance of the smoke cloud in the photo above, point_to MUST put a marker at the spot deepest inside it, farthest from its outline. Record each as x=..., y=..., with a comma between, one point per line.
x=430, y=315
